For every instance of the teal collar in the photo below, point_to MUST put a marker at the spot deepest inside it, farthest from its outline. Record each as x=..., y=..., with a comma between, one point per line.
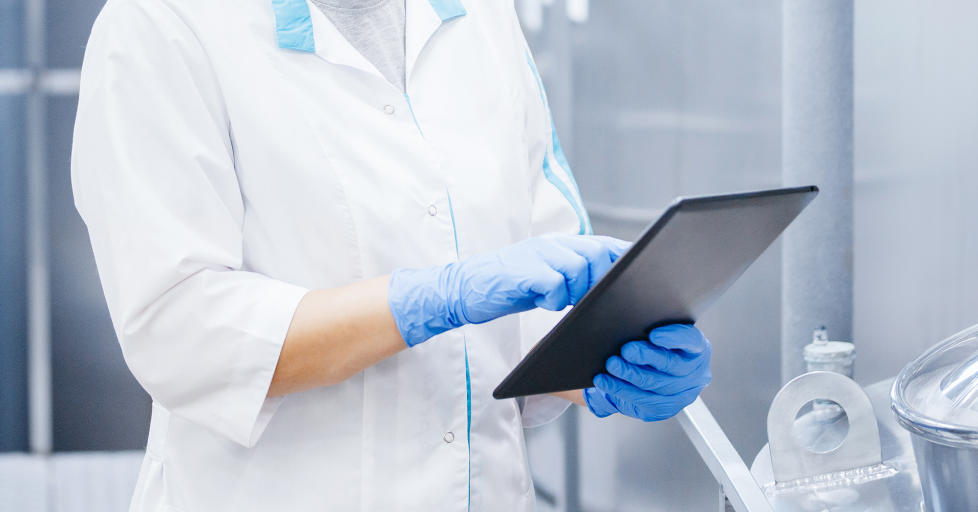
x=293, y=23
x=447, y=9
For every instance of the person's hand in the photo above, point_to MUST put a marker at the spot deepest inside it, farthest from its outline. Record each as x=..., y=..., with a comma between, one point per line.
x=550, y=272
x=653, y=380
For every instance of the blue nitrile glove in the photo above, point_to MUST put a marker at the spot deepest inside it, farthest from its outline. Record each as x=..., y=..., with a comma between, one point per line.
x=550, y=272
x=653, y=380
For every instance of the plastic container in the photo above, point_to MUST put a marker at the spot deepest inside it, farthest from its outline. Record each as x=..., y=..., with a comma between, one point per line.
x=831, y=356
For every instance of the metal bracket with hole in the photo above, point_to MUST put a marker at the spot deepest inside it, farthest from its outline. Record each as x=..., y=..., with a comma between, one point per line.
x=860, y=448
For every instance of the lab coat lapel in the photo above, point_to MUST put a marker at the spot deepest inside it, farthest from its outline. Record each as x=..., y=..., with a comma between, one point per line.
x=302, y=26
x=332, y=47
x=423, y=19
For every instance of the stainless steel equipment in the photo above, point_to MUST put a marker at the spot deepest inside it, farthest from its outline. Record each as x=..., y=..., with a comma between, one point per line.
x=936, y=399
x=834, y=446
x=869, y=468
x=738, y=490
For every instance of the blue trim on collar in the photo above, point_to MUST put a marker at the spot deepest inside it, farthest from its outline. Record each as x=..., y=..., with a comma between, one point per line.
x=293, y=25
x=448, y=9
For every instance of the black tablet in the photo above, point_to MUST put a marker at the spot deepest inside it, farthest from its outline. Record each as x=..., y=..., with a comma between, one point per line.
x=682, y=263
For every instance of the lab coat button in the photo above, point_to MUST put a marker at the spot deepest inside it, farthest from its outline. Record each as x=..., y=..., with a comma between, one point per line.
x=449, y=437
x=389, y=109
x=432, y=210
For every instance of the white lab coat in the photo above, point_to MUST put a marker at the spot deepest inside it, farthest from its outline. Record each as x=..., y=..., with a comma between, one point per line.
x=230, y=155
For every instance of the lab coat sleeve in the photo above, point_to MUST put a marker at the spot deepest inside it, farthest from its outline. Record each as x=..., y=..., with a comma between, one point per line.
x=557, y=208
x=154, y=180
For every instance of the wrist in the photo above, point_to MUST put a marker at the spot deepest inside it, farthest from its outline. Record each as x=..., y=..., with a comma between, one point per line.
x=419, y=300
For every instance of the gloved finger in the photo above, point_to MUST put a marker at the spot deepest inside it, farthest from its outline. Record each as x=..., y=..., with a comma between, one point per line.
x=642, y=404
x=683, y=337
x=596, y=253
x=550, y=288
x=667, y=361
x=598, y=403
x=655, y=381
x=659, y=408
x=573, y=267
x=614, y=246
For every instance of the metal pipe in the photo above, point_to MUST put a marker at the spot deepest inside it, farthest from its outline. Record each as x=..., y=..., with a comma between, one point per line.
x=817, y=85
x=736, y=483
x=38, y=272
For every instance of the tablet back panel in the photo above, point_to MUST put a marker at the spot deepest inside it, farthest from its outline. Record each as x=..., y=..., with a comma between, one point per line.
x=677, y=268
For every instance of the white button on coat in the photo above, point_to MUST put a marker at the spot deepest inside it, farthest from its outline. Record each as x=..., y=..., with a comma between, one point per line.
x=389, y=109
x=225, y=163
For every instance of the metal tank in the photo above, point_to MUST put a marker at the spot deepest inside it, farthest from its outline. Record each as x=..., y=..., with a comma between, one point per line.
x=935, y=398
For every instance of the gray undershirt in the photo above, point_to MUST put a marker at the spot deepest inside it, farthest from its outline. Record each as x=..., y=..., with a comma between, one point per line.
x=375, y=28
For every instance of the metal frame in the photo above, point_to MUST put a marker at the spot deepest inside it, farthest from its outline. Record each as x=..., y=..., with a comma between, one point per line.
x=738, y=489
x=38, y=272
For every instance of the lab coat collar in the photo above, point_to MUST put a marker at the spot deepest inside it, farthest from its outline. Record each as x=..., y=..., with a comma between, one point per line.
x=294, y=28
x=293, y=25
x=448, y=9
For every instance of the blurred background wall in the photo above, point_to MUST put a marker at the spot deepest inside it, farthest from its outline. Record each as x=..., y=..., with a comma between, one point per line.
x=96, y=403
x=652, y=99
